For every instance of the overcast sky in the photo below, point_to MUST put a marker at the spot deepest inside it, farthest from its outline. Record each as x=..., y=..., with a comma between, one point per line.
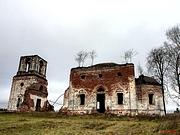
x=57, y=29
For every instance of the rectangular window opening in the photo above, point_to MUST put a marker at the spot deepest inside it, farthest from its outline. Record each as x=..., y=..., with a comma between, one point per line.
x=82, y=99
x=120, y=98
x=151, y=99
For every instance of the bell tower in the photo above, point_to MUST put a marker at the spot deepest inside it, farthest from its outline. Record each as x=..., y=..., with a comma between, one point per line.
x=29, y=85
x=30, y=65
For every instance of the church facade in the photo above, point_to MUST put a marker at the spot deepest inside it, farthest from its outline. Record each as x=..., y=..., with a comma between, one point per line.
x=112, y=88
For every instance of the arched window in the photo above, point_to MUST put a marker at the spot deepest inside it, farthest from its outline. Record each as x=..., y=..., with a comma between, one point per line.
x=27, y=64
x=18, y=102
x=100, y=89
x=40, y=67
x=22, y=84
x=41, y=88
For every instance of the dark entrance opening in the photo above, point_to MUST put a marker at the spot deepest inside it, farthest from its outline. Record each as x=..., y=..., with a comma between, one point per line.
x=101, y=102
x=38, y=105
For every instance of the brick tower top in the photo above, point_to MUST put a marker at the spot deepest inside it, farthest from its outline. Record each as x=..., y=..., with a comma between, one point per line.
x=32, y=65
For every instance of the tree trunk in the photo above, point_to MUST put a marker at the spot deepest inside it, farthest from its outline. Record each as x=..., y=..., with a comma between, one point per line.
x=162, y=88
x=177, y=72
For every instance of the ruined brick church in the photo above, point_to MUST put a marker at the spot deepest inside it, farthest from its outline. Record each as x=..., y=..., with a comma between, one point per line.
x=102, y=88
x=112, y=88
x=29, y=86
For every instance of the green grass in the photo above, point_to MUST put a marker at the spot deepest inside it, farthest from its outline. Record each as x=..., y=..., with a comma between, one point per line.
x=56, y=124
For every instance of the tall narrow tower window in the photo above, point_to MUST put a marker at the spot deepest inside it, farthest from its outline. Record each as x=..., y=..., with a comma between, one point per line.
x=40, y=67
x=27, y=65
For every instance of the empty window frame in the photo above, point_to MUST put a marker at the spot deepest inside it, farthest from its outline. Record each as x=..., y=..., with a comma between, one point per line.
x=119, y=74
x=120, y=98
x=40, y=67
x=22, y=84
x=18, y=102
x=151, y=99
x=27, y=64
x=27, y=67
x=100, y=75
x=82, y=99
x=41, y=88
x=83, y=77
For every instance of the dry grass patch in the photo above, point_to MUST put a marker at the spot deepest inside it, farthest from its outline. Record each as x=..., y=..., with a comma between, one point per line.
x=55, y=124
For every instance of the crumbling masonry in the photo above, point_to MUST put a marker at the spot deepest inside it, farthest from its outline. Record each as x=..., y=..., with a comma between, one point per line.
x=29, y=86
x=112, y=88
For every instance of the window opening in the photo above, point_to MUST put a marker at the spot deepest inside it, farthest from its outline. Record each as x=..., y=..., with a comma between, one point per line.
x=120, y=98
x=22, y=84
x=40, y=67
x=27, y=64
x=41, y=88
x=119, y=74
x=151, y=99
x=18, y=102
x=82, y=99
x=100, y=75
x=82, y=76
x=27, y=67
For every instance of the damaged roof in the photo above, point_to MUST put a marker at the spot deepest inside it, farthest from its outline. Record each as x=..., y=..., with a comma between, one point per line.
x=146, y=80
x=104, y=65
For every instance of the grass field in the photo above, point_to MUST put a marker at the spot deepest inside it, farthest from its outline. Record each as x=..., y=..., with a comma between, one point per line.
x=55, y=124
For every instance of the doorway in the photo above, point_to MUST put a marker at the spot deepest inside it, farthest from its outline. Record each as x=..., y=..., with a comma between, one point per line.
x=38, y=105
x=101, y=102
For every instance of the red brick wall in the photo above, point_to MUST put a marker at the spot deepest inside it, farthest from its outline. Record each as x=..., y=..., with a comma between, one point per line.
x=109, y=76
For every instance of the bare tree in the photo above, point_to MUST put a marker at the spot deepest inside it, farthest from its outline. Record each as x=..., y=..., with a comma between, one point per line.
x=174, y=69
x=173, y=35
x=92, y=55
x=128, y=55
x=173, y=47
x=158, y=65
x=84, y=57
x=81, y=57
x=78, y=58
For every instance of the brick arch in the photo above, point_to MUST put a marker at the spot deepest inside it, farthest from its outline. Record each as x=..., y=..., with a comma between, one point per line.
x=28, y=64
x=99, y=87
